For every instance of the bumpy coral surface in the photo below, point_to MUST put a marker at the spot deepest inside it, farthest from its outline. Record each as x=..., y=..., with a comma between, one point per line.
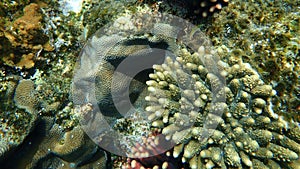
x=246, y=129
x=192, y=9
x=268, y=39
x=69, y=148
x=248, y=132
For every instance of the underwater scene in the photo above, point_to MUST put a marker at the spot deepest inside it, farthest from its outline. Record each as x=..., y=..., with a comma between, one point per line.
x=150, y=84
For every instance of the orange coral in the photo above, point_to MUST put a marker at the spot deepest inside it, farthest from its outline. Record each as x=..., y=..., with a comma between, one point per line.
x=25, y=38
x=29, y=25
x=26, y=61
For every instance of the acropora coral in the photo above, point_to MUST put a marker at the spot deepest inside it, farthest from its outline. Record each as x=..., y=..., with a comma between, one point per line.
x=268, y=39
x=249, y=133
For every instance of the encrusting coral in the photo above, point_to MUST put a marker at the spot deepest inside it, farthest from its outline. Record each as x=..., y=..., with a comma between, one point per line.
x=25, y=38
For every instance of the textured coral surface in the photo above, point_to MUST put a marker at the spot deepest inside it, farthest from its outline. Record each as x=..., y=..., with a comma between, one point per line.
x=248, y=133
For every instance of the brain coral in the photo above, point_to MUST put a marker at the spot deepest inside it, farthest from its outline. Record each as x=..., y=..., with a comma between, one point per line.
x=70, y=148
x=15, y=124
x=26, y=96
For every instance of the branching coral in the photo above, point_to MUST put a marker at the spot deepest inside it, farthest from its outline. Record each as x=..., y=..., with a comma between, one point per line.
x=248, y=134
x=218, y=114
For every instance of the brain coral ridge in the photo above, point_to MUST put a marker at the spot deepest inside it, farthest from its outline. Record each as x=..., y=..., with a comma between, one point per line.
x=248, y=133
x=71, y=148
x=25, y=96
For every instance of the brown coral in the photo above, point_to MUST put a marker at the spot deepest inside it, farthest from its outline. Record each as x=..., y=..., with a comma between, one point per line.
x=28, y=26
x=25, y=96
x=25, y=38
x=72, y=147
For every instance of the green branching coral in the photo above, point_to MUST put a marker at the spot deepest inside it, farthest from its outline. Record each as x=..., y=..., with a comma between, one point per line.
x=249, y=133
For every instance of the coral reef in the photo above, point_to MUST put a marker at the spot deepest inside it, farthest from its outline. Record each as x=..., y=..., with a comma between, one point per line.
x=100, y=13
x=7, y=89
x=14, y=128
x=39, y=41
x=25, y=43
x=185, y=108
x=15, y=124
x=145, y=159
x=48, y=146
x=9, y=8
x=195, y=10
x=107, y=68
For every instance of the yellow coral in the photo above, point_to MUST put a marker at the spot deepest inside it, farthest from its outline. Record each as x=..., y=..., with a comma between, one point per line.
x=26, y=61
